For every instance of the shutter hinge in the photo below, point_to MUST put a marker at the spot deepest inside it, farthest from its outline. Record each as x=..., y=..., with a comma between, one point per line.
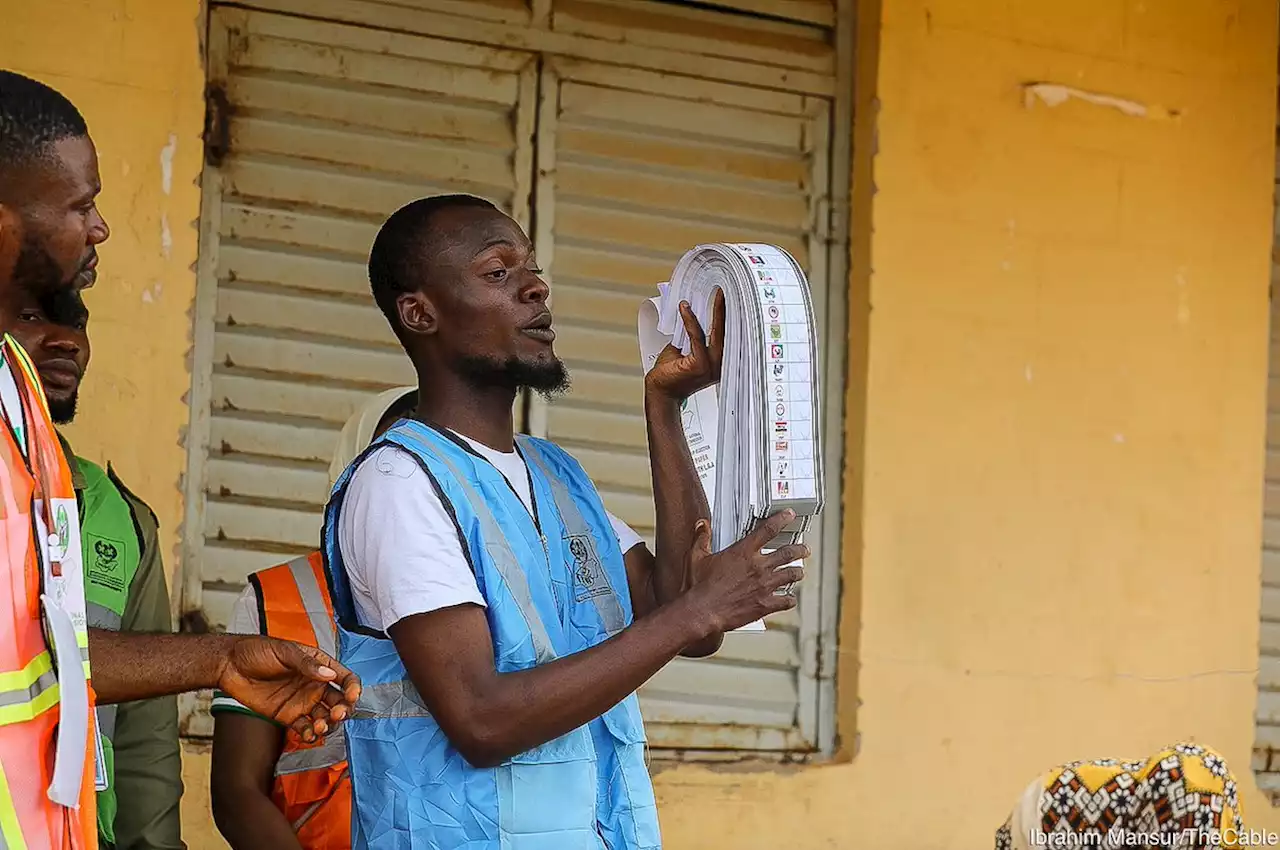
x=217, y=124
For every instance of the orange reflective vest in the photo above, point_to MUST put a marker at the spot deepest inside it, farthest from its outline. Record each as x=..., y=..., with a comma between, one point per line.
x=311, y=784
x=36, y=496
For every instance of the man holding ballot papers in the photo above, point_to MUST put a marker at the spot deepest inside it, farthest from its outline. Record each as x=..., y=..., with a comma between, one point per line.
x=500, y=619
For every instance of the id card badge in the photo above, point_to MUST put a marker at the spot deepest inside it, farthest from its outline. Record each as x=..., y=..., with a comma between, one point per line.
x=61, y=546
x=100, y=782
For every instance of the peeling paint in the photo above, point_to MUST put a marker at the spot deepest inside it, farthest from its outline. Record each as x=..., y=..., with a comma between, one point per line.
x=166, y=164
x=166, y=236
x=1055, y=94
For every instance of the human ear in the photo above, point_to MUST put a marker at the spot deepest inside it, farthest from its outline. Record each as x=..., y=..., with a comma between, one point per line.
x=417, y=314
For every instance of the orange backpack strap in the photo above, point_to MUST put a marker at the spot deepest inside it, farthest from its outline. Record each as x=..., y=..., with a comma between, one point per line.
x=295, y=603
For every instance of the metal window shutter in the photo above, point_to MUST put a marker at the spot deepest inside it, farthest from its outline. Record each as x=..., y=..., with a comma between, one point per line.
x=636, y=168
x=816, y=12
x=1266, y=756
x=332, y=128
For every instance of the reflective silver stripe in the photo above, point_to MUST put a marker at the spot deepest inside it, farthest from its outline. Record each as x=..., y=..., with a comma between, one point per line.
x=21, y=696
x=107, y=721
x=313, y=601
x=500, y=551
x=390, y=699
x=606, y=601
x=385, y=700
x=331, y=752
x=102, y=617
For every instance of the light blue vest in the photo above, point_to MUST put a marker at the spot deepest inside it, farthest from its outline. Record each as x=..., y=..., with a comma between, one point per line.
x=549, y=595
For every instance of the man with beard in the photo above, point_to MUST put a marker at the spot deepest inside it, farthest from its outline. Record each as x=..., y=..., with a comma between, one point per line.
x=124, y=591
x=500, y=618
x=50, y=764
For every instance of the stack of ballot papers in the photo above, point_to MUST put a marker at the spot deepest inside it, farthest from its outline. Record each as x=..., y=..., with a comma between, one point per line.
x=754, y=436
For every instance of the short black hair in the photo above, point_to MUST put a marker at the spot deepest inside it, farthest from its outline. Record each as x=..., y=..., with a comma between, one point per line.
x=398, y=259
x=33, y=117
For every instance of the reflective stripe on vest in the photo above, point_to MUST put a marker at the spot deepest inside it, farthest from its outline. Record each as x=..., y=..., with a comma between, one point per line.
x=29, y=692
x=389, y=699
x=316, y=604
x=505, y=560
x=607, y=605
x=310, y=787
x=332, y=750
x=51, y=804
x=10, y=829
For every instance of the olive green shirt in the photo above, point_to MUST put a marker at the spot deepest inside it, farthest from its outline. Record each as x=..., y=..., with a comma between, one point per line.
x=147, y=755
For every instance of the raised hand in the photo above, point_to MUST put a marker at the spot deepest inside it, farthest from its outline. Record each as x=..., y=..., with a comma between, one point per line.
x=738, y=585
x=290, y=683
x=678, y=376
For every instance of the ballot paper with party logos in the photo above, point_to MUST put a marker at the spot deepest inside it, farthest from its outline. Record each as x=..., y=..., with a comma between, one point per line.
x=754, y=436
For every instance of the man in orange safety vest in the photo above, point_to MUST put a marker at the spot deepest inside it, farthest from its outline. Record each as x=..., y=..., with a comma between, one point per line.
x=50, y=767
x=270, y=789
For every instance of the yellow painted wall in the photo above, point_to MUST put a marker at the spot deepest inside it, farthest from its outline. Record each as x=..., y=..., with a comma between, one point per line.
x=134, y=69
x=1053, y=535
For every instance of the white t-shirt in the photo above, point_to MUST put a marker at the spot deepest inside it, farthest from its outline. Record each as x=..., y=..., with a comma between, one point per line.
x=400, y=545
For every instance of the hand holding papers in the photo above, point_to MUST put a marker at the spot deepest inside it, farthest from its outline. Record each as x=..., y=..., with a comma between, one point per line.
x=761, y=420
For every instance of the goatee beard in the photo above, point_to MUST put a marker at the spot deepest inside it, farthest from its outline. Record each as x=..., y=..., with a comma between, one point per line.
x=63, y=411
x=549, y=379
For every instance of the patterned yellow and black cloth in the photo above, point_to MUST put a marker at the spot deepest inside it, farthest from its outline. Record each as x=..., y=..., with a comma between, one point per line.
x=1182, y=796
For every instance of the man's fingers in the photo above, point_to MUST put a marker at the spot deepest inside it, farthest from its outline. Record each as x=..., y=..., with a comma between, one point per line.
x=351, y=688
x=304, y=728
x=771, y=528
x=320, y=716
x=697, y=339
x=777, y=603
x=717, y=326
x=309, y=661
x=335, y=702
x=787, y=554
x=345, y=685
x=786, y=576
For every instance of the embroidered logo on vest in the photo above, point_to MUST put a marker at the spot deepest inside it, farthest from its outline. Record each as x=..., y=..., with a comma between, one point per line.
x=588, y=576
x=105, y=569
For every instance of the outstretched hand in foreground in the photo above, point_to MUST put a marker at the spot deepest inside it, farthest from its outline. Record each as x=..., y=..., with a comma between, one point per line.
x=295, y=685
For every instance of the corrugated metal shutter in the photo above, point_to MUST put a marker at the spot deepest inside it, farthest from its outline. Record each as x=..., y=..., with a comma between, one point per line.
x=817, y=12
x=711, y=33
x=335, y=124
x=332, y=128
x=637, y=168
x=1266, y=756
